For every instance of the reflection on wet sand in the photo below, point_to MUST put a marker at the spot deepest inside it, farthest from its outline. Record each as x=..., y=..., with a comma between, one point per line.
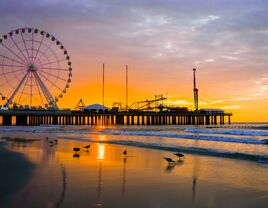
x=99, y=184
x=102, y=176
x=64, y=187
x=169, y=168
x=196, y=164
x=194, y=189
x=124, y=180
x=100, y=157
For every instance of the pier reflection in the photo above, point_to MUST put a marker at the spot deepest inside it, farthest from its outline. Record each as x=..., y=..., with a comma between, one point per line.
x=196, y=167
x=101, y=152
x=100, y=157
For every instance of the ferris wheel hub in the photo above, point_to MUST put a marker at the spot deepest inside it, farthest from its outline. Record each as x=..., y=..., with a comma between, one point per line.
x=32, y=67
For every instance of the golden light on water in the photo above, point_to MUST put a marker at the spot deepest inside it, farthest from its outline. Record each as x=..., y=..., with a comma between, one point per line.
x=102, y=138
x=101, y=152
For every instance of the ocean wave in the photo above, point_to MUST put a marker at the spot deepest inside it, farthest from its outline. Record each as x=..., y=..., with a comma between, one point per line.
x=244, y=140
x=193, y=150
x=176, y=148
x=45, y=129
x=227, y=131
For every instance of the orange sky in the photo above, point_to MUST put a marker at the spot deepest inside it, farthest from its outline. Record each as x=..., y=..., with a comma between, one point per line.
x=161, y=42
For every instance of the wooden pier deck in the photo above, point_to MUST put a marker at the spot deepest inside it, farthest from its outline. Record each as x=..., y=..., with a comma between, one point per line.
x=62, y=117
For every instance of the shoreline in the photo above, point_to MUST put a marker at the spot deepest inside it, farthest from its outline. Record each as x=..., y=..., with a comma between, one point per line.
x=35, y=137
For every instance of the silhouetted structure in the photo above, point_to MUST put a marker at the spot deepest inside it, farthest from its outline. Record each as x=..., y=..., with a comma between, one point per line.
x=195, y=93
x=80, y=105
x=127, y=86
x=39, y=117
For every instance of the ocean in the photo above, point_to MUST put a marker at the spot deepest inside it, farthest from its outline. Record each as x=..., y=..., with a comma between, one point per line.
x=224, y=166
x=248, y=141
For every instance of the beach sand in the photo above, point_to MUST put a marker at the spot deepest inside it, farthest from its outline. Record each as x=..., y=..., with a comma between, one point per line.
x=104, y=177
x=15, y=172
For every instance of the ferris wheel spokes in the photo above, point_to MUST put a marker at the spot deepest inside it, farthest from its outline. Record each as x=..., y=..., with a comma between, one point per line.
x=39, y=92
x=9, y=73
x=19, y=49
x=50, y=68
x=21, y=93
x=38, y=48
x=10, y=59
x=16, y=90
x=13, y=53
x=9, y=65
x=44, y=89
x=24, y=43
x=50, y=82
x=52, y=75
x=47, y=47
x=32, y=57
x=53, y=62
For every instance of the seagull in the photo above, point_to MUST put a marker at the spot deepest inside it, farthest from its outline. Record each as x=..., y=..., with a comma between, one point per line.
x=76, y=149
x=125, y=152
x=169, y=160
x=180, y=155
x=51, y=143
x=87, y=146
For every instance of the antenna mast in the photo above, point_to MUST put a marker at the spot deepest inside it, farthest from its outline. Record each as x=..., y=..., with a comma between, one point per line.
x=103, y=84
x=127, y=86
x=195, y=93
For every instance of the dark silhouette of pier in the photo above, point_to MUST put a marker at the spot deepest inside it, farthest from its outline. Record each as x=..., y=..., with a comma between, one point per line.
x=65, y=117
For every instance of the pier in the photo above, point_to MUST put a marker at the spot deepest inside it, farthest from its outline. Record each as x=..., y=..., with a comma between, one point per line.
x=62, y=117
x=28, y=104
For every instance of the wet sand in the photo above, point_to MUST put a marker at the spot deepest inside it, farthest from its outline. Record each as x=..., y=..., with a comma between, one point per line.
x=15, y=172
x=104, y=177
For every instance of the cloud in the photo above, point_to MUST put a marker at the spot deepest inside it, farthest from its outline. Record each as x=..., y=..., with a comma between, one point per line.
x=146, y=28
x=179, y=102
x=232, y=58
x=231, y=107
x=227, y=40
x=261, y=88
x=245, y=98
x=258, y=90
x=204, y=20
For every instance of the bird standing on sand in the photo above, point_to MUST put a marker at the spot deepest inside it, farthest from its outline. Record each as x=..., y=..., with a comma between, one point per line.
x=125, y=152
x=87, y=147
x=76, y=149
x=169, y=160
x=180, y=155
x=51, y=143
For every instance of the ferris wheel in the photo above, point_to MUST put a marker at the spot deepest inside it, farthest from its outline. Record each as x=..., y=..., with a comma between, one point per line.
x=35, y=68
